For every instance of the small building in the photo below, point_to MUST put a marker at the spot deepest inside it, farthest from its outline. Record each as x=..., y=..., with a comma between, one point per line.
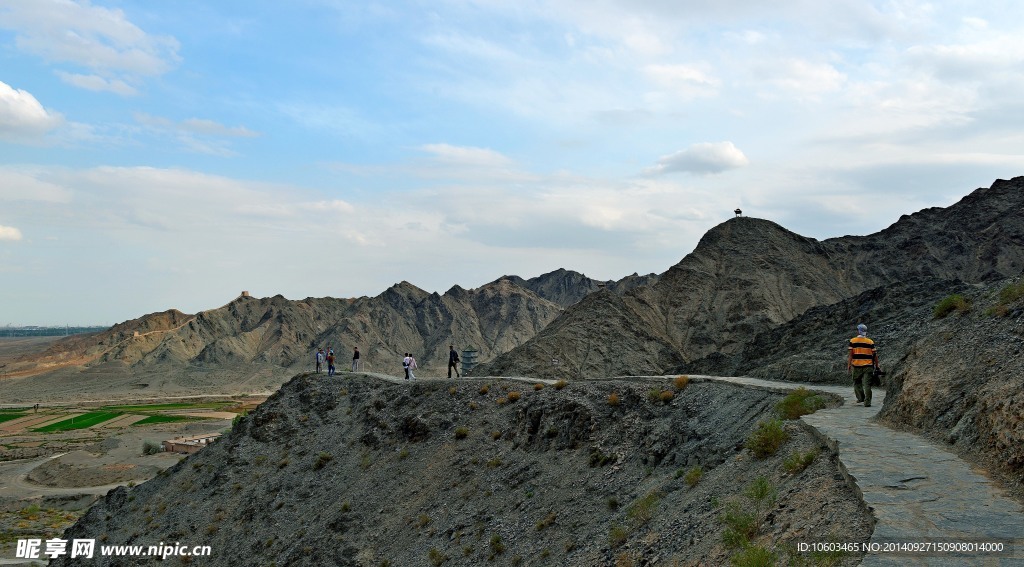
x=245, y=294
x=469, y=359
x=189, y=444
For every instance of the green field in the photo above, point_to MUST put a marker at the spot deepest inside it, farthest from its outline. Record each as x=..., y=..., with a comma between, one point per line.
x=160, y=407
x=9, y=416
x=80, y=422
x=165, y=419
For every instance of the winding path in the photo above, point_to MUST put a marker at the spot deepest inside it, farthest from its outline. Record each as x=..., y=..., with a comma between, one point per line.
x=14, y=481
x=918, y=491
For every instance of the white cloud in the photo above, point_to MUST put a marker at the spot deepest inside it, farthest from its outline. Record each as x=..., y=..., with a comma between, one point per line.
x=982, y=55
x=684, y=80
x=466, y=155
x=703, y=158
x=806, y=78
x=21, y=115
x=97, y=83
x=195, y=126
x=92, y=37
x=212, y=128
x=9, y=233
x=17, y=185
x=196, y=135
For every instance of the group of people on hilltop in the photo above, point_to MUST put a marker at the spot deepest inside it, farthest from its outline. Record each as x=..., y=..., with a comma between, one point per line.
x=408, y=362
x=328, y=357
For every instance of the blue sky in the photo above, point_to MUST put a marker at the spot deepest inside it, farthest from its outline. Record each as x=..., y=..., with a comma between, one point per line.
x=157, y=155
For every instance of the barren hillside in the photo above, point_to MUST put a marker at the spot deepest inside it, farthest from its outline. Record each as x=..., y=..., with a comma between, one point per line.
x=363, y=472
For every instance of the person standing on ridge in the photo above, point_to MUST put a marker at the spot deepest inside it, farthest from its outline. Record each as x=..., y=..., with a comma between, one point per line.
x=330, y=362
x=861, y=362
x=412, y=366
x=405, y=365
x=453, y=361
x=319, y=359
x=355, y=360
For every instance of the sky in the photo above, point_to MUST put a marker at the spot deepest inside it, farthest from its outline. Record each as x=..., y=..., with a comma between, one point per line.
x=158, y=155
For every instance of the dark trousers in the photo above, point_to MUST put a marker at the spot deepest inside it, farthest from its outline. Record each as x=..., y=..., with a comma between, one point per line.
x=406, y=372
x=862, y=383
x=455, y=366
x=330, y=370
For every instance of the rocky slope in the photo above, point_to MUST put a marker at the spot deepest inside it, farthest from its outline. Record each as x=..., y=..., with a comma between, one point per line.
x=812, y=347
x=961, y=381
x=747, y=276
x=363, y=472
x=955, y=378
x=566, y=287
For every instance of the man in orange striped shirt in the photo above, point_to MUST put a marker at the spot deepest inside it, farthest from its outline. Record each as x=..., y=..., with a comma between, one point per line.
x=861, y=362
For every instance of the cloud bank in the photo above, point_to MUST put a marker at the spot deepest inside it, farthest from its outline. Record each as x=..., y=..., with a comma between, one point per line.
x=702, y=159
x=22, y=116
x=9, y=233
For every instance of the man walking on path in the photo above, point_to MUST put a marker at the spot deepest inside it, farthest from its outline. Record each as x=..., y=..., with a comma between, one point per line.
x=330, y=362
x=861, y=362
x=453, y=361
x=319, y=359
x=412, y=366
x=355, y=360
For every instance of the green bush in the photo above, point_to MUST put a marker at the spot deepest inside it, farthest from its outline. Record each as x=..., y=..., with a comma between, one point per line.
x=497, y=546
x=461, y=432
x=643, y=509
x=1008, y=295
x=797, y=461
x=799, y=402
x=151, y=448
x=1012, y=292
x=617, y=535
x=600, y=459
x=322, y=459
x=740, y=525
x=693, y=476
x=767, y=438
x=754, y=556
x=436, y=557
x=743, y=522
x=951, y=303
x=547, y=521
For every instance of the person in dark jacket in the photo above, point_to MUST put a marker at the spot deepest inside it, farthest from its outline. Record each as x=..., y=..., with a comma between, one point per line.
x=453, y=361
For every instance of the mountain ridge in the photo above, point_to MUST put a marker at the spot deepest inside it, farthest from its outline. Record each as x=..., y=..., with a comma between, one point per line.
x=747, y=275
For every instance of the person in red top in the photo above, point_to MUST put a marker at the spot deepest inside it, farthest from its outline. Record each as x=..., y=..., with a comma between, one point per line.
x=861, y=362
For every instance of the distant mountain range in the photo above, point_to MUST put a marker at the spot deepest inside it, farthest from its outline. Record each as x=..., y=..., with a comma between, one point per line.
x=748, y=276
x=275, y=331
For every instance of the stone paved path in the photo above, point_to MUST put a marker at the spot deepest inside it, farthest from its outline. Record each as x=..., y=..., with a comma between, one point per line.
x=919, y=491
